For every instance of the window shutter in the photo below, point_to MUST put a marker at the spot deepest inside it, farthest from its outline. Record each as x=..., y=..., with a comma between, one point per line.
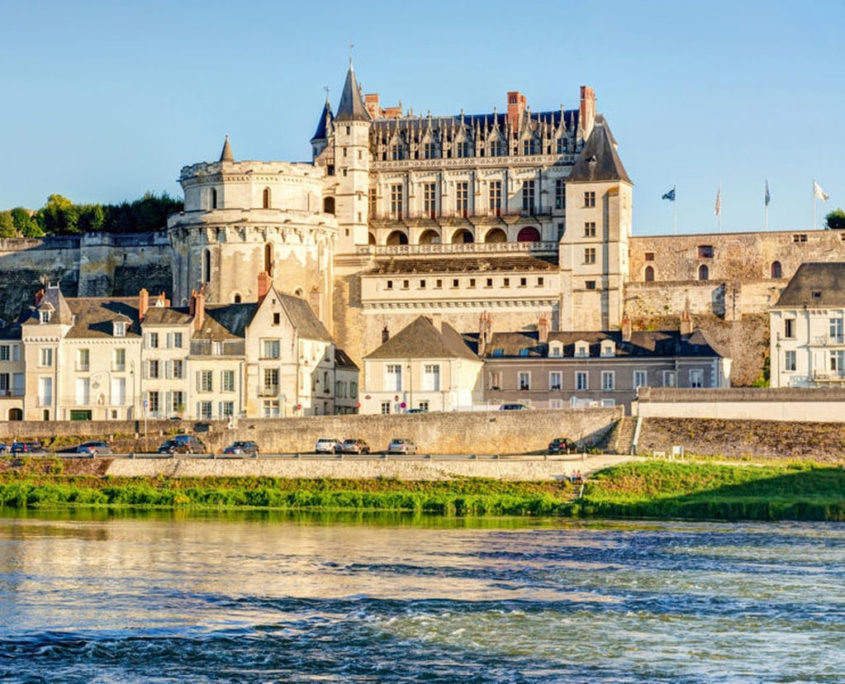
x=199, y=381
x=169, y=340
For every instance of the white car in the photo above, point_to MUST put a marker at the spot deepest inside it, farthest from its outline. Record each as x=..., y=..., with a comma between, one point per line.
x=327, y=445
x=401, y=446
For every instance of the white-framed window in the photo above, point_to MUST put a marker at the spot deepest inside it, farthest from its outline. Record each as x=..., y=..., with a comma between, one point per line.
x=83, y=359
x=119, y=328
x=385, y=407
x=696, y=377
x=608, y=381
x=528, y=195
x=152, y=340
x=524, y=379
x=837, y=360
x=555, y=349
x=152, y=402
x=178, y=369
x=270, y=349
x=227, y=381
x=206, y=381
x=789, y=361
x=271, y=380
x=582, y=380
x=555, y=381
x=83, y=391
x=118, y=391
x=152, y=369
x=177, y=401
x=608, y=348
x=495, y=196
x=119, y=359
x=226, y=408
x=670, y=379
x=608, y=402
x=462, y=197
x=431, y=377
x=44, y=316
x=271, y=408
x=205, y=408
x=582, y=349
x=45, y=391
x=430, y=199
x=836, y=330
x=788, y=328
x=396, y=201
x=7, y=351
x=45, y=357
x=177, y=340
x=640, y=378
x=393, y=377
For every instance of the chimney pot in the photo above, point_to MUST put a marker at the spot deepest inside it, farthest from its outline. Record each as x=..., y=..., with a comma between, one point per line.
x=199, y=309
x=264, y=284
x=143, y=303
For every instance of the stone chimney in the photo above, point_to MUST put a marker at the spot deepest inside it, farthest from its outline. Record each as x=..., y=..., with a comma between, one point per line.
x=686, y=324
x=199, y=309
x=39, y=296
x=626, y=328
x=192, y=305
x=516, y=106
x=385, y=334
x=265, y=282
x=587, y=112
x=143, y=303
x=484, y=331
x=543, y=329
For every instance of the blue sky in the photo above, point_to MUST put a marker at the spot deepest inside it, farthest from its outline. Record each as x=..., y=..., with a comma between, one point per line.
x=105, y=100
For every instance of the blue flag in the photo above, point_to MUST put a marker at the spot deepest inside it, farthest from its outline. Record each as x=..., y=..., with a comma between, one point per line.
x=768, y=197
x=670, y=195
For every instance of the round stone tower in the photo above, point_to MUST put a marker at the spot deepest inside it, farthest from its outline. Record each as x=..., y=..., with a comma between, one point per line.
x=245, y=217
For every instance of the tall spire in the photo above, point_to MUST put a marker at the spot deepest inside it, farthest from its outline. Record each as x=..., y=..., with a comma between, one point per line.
x=226, y=154
x=351, y=107
x=325, y=122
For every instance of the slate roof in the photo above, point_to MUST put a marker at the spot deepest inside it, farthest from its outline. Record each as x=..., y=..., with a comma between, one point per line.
x=166, y=315
x=226, y=154
x=94, y=316
x=598, y=160
x=643, y=343
x=226, y=321
x=324, y=123
x=54, y=301
x=459, y=264
x=485, y=122
x=815, y=285
x=303, y=318
x=342, y=360
x=351, y=107
x=420, y=339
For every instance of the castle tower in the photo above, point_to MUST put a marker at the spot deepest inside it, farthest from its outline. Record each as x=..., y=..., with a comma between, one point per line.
x=351, y=165
x=594, y=249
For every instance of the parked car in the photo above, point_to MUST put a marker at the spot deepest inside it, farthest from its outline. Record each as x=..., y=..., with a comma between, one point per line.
x=247, y=448
x=417, y=410
x=355, y=446
x=513, y=407
x=28, y=448
x=401, y=446
x=328, y=445
x=3, y=448
x=93, y=448
x=561, y=445
x=183, y=444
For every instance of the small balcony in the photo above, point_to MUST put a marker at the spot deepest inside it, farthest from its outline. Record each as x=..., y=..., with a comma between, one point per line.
x=831, y=376
x=268, y=391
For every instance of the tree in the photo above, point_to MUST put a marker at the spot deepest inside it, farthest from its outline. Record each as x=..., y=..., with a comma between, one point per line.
x=835, y=220
x=7, y=225
x=25, y=224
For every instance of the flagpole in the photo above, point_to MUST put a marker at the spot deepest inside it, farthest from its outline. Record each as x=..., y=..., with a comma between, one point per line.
x=766, y=217
x=675, y=213
x=814, y=204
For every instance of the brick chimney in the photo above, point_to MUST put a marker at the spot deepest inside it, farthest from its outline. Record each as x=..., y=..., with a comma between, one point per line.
x=372, y=105
x=39, y=296
x=143, y=303
x=588, y=111
x=686, y=324
x=516, y=106
x=199, y=309
x=626, y=328
x=265, y=282
x=543, y=329
x=192, y=305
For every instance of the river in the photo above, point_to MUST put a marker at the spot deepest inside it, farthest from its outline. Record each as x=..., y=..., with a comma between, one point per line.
x=261, y=597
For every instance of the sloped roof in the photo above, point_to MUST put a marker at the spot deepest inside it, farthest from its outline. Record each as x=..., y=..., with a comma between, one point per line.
x=226, y=321
x=326, y=118
x=815, y=285
x=342, y=359
x=598, y=160
x=166, y=315
x=226, y=154
x=420, y=339
x=351, y=107
x=303, y=318
x=54, y=301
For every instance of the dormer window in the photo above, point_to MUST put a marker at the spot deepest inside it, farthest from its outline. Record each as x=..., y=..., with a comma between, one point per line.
x=608, y=348
x=582, y=349
x=44, y=316
x=555, y=349
x=119, y=328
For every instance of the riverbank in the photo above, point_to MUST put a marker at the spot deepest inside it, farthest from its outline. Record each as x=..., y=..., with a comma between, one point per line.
x=651, y=489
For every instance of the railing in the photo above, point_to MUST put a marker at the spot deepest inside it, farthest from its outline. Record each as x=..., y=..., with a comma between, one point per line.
x=830, y=340
x=829, y=376
x=458, y=248
x=270, y=391
x=209, y=348
x=14, y=392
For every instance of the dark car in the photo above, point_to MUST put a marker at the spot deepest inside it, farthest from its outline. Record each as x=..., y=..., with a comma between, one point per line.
x=513, y=407
x=28, y=448
x=245, y=448
x=355, y=446
x=93, y=448
x=561, y=445
x=183, y=444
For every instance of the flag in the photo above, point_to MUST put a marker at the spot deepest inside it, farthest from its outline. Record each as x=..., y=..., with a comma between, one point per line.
x=719, y=202
x=669, y=195
x=818, y=192
x=768, y=195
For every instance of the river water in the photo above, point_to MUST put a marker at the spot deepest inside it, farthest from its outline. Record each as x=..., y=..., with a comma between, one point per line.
x=93, y=597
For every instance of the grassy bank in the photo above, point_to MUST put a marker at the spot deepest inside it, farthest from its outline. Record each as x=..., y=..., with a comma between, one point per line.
x=649, y=489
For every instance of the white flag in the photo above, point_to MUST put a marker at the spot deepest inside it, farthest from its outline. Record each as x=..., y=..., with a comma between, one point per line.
x=818, y=192
x=719, y=202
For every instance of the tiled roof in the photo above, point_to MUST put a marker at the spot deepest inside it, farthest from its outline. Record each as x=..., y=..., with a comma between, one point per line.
x=598, y=160
x=460, y=264
x=815, y=285
x=420, y=339
x=94, y=316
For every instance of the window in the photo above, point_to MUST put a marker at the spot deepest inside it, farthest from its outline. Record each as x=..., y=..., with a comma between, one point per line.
x=590, y=255
x=582, y=349
x=589, y=199
x=489, y=282
x=529, y=146
x=205, y=381
x=429, y=199
x=227, y=381
x=696, y=377
x=799, y=237
x=45, y=391
x=608, y=348
x=836, y=330
x=118, y=391
x=353, y=390
x=640, y=378
x=789, y=328
x=649, y=274
x=5, y=352
x=528, y=196
x=670, y=379
x=152, y=402
x=506, y=282
x=540, y=282
x=462, y=198
x=178, y=369
x=524, y=380
x=83, y=391
x=555, y=349
x=438, y=284
x=431, y=378
x=385, y=407
x=705, y=251
x=152, y=340
x=703, y=272
x=119, y=359
x=393, y=378
x=227, y=408
x=396, y=202
x=429, y=150
x=607, y=381
x=837, y=360
x=455, y=282
x=83, y=359
x=45, y=357
x=371, y=202
x=789, y=361
x=206, y=265
x=494, y=380
x=496, y=197
x=463, y=149
x=177, y=340
x=271, y=381
x=396, y=152
x=119, y=328
x=560, y=194
x=271, y=408
x=270, y=349
x=590, y=229
x=776, y=270
x=555, y=381
x=582, y=381
x=277, y=318
x=177, y=402
x=472, y=282
x=649, y=256
x=406, y=284
x=423, y=405
x=213, y=198
x=44, y=316
x=152, y=368
x=205, y=410
x=265, y=197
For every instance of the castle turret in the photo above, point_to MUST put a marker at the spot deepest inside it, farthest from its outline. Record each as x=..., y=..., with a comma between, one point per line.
x=320, y=139
x=226, y=155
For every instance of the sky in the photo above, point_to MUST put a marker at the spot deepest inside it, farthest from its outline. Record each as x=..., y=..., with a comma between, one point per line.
x=103, y=101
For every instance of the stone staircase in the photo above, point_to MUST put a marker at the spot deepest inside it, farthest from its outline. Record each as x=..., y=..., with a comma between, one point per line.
x=622, y=436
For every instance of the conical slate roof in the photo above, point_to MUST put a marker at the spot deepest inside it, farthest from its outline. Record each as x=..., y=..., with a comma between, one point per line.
x=226, y=154
x=326, y=118
x=351, y=107
x=598, y=160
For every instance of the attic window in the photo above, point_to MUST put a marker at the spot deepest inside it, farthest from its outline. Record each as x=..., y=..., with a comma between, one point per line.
x=498, y=352
x=277, y=318
x=817, y=294
x=582, y=349
x=608, y=349
x=555, y=350
x=44, y=316
x=119, y=328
